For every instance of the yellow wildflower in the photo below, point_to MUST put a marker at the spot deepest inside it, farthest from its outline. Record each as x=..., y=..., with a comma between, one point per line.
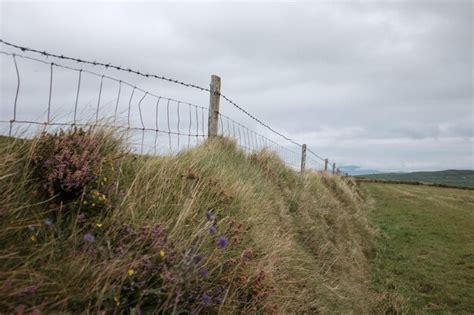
x=33, y=238
x=131, y=272
x=98, y=225
x=162, y=253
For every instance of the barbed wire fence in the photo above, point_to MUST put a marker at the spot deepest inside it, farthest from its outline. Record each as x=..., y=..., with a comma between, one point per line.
x=52, y=95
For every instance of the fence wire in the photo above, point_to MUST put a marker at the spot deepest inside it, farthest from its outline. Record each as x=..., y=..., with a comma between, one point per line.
x=154, y=123
x=52, y=95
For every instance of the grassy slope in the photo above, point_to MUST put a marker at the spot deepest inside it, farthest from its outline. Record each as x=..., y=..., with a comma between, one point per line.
x=426, y=248
x=308, y=234
x=448, y=177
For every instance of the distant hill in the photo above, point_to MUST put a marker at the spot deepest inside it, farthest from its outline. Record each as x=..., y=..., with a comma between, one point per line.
x=448, y=177
x=355, y=170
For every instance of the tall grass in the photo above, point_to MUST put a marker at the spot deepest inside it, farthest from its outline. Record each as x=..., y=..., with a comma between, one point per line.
x=211, y=230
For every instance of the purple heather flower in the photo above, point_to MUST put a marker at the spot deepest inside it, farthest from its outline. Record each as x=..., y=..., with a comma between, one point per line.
x=206, y=299
x=222, y=241
x=48, y=222
x=7, y=285
x=212, y=230
x=81, y=217
x=88, y=237
x=204, y=272
x=29, y=290
x=20, y=309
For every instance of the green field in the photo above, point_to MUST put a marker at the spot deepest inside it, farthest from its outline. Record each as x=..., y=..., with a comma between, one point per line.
x=448, y=177
x=425, y=251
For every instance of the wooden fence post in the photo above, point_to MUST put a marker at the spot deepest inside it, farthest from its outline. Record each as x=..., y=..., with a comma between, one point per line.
x=303, y=157
x=326, y=165
x=334, y=168
x=214, y=99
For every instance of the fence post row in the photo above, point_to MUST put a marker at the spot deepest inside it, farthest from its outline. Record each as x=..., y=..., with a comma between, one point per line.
x=214, y=99
x=213, y=115
x=303, y=157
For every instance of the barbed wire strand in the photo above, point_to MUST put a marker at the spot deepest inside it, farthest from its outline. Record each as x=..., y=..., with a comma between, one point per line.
x=319, y=157
x=252, y=140
x=50, y=122
x=148, y=75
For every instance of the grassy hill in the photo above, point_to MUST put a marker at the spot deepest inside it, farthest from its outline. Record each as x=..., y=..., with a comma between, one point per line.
x=425, y=246
x=87, y=227
x=448, y=177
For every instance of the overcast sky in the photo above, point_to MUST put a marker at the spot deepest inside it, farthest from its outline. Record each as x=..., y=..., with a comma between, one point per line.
x=384, y=85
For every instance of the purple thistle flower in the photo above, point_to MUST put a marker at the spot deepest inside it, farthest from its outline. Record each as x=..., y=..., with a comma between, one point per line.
x=197, y=259
x=206, y=299
x=48, y=222
x=88, y=237
x=204, y=272
x=210, y=216
x=212, y=230
x=222, y=241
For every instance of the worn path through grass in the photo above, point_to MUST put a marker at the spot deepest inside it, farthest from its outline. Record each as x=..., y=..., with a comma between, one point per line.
x=425, y=246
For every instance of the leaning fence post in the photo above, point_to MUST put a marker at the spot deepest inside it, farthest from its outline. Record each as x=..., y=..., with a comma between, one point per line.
x=303, y=157
x=334, y=168
x=214, y=99
x=325, y=165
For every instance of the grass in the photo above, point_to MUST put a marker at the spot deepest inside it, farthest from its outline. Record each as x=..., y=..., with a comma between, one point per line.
x=449, y=177
x=425, y=246
x=211, y=230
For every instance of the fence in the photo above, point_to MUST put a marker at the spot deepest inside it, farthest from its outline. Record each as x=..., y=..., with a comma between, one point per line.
x=37, y=91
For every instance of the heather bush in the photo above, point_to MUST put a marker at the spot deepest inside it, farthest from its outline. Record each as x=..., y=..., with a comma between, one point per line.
x=75, y=163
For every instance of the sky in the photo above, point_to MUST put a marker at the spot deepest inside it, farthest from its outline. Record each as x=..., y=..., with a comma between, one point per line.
x=381, y=85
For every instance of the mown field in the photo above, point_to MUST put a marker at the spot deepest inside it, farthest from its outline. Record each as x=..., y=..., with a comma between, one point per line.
x=425, y=252
x=463, y=178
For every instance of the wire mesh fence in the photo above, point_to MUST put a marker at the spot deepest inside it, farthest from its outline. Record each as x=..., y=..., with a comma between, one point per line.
x=50, y=94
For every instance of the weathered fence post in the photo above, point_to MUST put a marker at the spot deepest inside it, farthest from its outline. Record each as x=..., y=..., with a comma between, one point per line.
x=214, y=99
x=326, y=165
x=334, y=168
x=303, y=157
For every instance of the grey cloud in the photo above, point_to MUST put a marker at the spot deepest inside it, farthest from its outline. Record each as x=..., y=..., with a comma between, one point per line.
x=399, y=72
